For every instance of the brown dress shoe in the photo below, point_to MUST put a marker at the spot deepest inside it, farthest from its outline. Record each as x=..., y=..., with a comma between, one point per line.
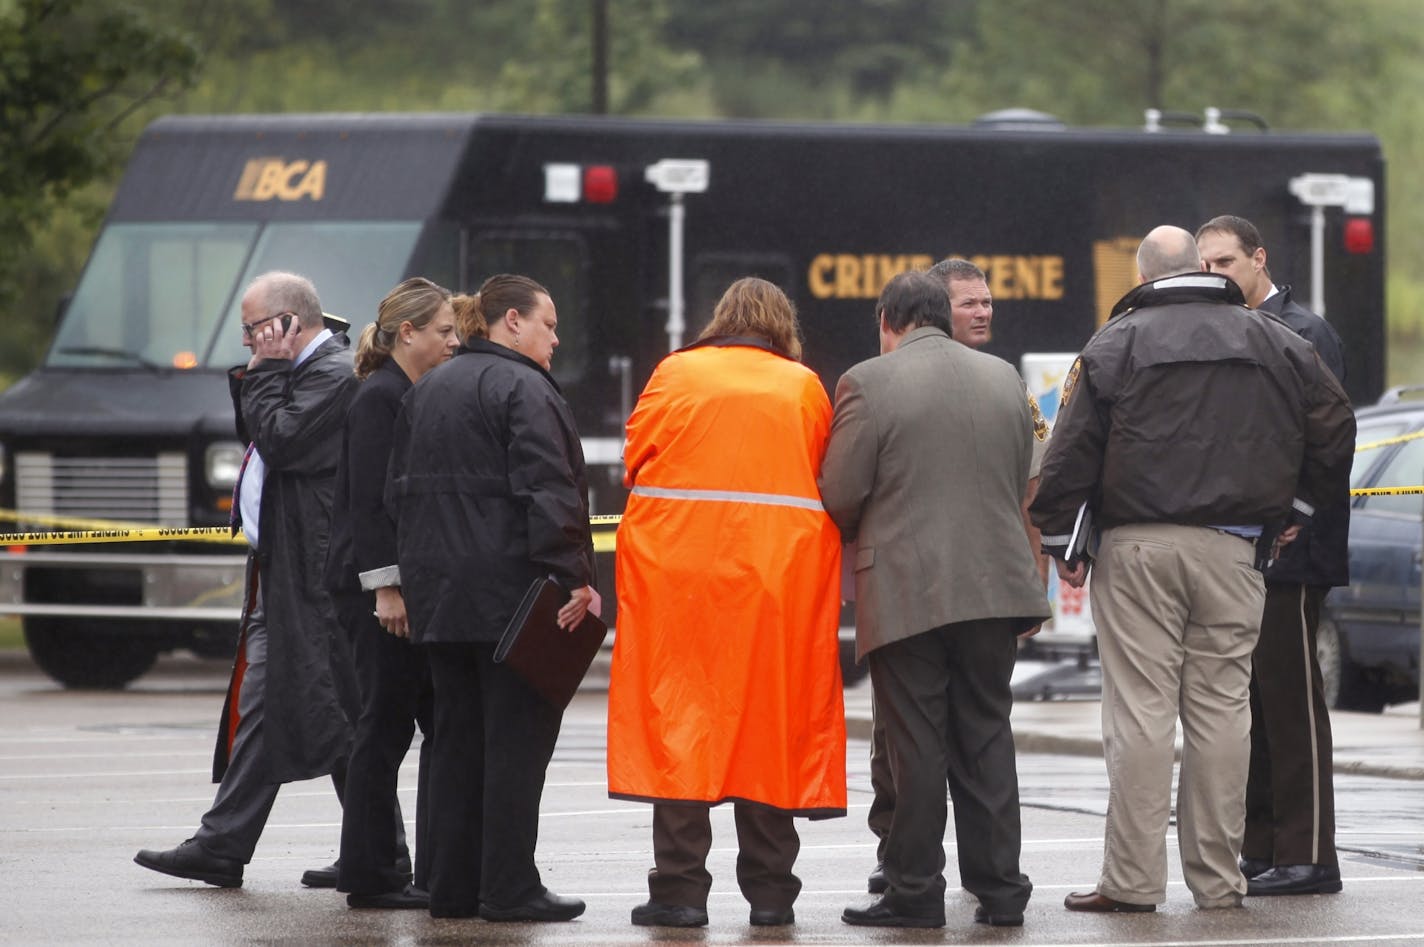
x=1092, y=901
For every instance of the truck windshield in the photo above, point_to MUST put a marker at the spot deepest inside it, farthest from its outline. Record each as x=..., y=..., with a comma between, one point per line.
x=151, y=295
x=167, y=295
x=353, y=264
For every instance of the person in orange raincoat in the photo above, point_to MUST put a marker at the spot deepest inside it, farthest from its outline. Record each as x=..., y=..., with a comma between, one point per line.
x=726, y=682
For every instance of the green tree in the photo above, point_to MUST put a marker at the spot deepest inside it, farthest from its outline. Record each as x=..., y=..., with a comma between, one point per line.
x=553, y=73
x=71, y=72
x=800, y=60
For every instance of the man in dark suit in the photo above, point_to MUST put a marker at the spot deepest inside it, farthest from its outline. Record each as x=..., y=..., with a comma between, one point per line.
x=286, y=716
x=1289, y=847
x=925, y=471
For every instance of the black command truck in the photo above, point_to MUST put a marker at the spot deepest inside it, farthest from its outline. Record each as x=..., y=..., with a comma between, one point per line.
x=636, y=227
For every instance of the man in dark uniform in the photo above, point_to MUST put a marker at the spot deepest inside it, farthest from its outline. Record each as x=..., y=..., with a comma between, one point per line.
x=1203, y=435
x=1289, y=847
x=286, y=715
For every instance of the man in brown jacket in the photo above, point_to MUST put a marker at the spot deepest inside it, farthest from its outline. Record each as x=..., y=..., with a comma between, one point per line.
x=1203, y=434
x=925, y=470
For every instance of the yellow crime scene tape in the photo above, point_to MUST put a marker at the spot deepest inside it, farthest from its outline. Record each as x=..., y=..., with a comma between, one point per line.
x=71, y=530
x=1389, y=440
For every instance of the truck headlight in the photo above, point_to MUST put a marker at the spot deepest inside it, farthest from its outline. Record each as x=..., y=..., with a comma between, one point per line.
x=221, y=464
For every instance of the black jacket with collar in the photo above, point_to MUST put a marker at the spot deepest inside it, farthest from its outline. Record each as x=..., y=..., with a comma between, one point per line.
x=363, y=534
x=489, y=491
x=295, y=415
x=1189, y=408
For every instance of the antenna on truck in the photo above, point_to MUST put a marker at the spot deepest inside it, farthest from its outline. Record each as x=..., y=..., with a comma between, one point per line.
x=676, y=177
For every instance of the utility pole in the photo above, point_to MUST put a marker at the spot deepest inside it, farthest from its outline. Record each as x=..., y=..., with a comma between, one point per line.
x=600, y=57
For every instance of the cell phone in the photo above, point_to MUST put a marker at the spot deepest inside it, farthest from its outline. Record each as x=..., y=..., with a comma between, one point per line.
x=286, y=321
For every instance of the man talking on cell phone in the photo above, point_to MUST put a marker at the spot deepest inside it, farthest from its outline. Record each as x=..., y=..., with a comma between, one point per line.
x=293, y=688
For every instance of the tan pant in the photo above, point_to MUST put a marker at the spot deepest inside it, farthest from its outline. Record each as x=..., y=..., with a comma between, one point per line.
x=1177, y=610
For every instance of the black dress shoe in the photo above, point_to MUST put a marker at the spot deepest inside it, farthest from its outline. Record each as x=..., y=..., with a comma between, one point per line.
x=409, y=898
x=997, y=919
x=330, y=876
x=546, y=907
x=660, y=914
x=769, y=917
x=322, y=877
x=1251, y=867
x=1092, y=901
x=883, y=913
x=876, y=883
x=189, y=860
x=1295, y=879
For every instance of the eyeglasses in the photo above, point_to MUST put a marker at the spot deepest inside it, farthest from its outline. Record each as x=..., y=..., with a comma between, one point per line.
x=249, y=329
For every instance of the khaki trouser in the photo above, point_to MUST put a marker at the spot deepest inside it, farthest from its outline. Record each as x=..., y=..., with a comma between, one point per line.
x=1177, y=610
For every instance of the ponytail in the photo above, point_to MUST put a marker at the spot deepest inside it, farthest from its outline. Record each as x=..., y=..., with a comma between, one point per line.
x=416, y=301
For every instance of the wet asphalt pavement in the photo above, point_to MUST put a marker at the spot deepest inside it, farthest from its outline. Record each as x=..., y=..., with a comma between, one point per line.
x=87, y=779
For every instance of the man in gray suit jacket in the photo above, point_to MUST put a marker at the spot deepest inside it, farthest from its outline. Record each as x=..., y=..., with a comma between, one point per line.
x=925, y=471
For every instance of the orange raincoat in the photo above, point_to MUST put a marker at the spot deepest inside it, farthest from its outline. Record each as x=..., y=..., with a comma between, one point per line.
x=726, y=681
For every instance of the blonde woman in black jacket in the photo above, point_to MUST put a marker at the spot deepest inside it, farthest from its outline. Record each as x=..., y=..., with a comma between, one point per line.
x=414, y=331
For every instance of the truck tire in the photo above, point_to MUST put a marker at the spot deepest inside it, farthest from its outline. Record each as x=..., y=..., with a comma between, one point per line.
x=1345, y=684
x=851, y=673
x=90, y=654
x=214, y=642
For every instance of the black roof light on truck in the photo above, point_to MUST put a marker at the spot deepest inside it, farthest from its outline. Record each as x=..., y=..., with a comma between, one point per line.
x=1356, y=195
x=574, y=184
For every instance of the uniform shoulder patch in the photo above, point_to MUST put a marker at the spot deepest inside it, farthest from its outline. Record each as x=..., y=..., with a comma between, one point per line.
x=1070, y=382
x=1040, y=424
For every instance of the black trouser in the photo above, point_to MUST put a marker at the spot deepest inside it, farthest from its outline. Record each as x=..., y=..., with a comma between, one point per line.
x=1290, y=793
x=767, y=846
x=494, y=739
x=395, y=696
x=882, y=783
x=945, y=700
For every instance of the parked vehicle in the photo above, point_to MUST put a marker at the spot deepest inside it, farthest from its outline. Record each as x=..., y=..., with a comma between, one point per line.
x=1368, y=642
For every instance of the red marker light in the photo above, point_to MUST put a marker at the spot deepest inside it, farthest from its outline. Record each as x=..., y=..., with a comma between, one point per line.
x=600, y=184
x=1359, y=235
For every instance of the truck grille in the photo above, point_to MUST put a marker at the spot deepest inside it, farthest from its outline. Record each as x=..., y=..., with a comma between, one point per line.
x=131, y=489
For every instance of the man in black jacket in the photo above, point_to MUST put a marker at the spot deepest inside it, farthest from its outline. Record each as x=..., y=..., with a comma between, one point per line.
x=286, y=715
x=1289, y=847
x=1203, y=434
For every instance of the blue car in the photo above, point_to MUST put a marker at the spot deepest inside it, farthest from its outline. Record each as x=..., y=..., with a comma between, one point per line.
x=1368, y=642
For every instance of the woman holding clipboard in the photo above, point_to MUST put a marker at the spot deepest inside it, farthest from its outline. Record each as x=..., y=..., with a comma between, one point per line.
x=488, y=485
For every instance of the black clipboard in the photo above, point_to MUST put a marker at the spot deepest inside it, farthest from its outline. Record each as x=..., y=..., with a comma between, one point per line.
x=1083, y=543
x=550, y=659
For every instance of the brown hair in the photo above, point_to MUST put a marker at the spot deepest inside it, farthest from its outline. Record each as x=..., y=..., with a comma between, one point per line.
x=752, y=306
x=953, y=268
x=1242, y=229
x=469, y=321
x=416, y=301
x=913, y=299
x=503, y=292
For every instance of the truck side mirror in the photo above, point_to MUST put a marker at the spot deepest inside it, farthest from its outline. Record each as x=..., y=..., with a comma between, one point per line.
x=61, y=307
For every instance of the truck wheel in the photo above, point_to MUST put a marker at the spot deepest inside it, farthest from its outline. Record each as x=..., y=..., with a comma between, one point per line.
x=1345, y=684
x=216, y=641
x=851, y=673
x=90, y=654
